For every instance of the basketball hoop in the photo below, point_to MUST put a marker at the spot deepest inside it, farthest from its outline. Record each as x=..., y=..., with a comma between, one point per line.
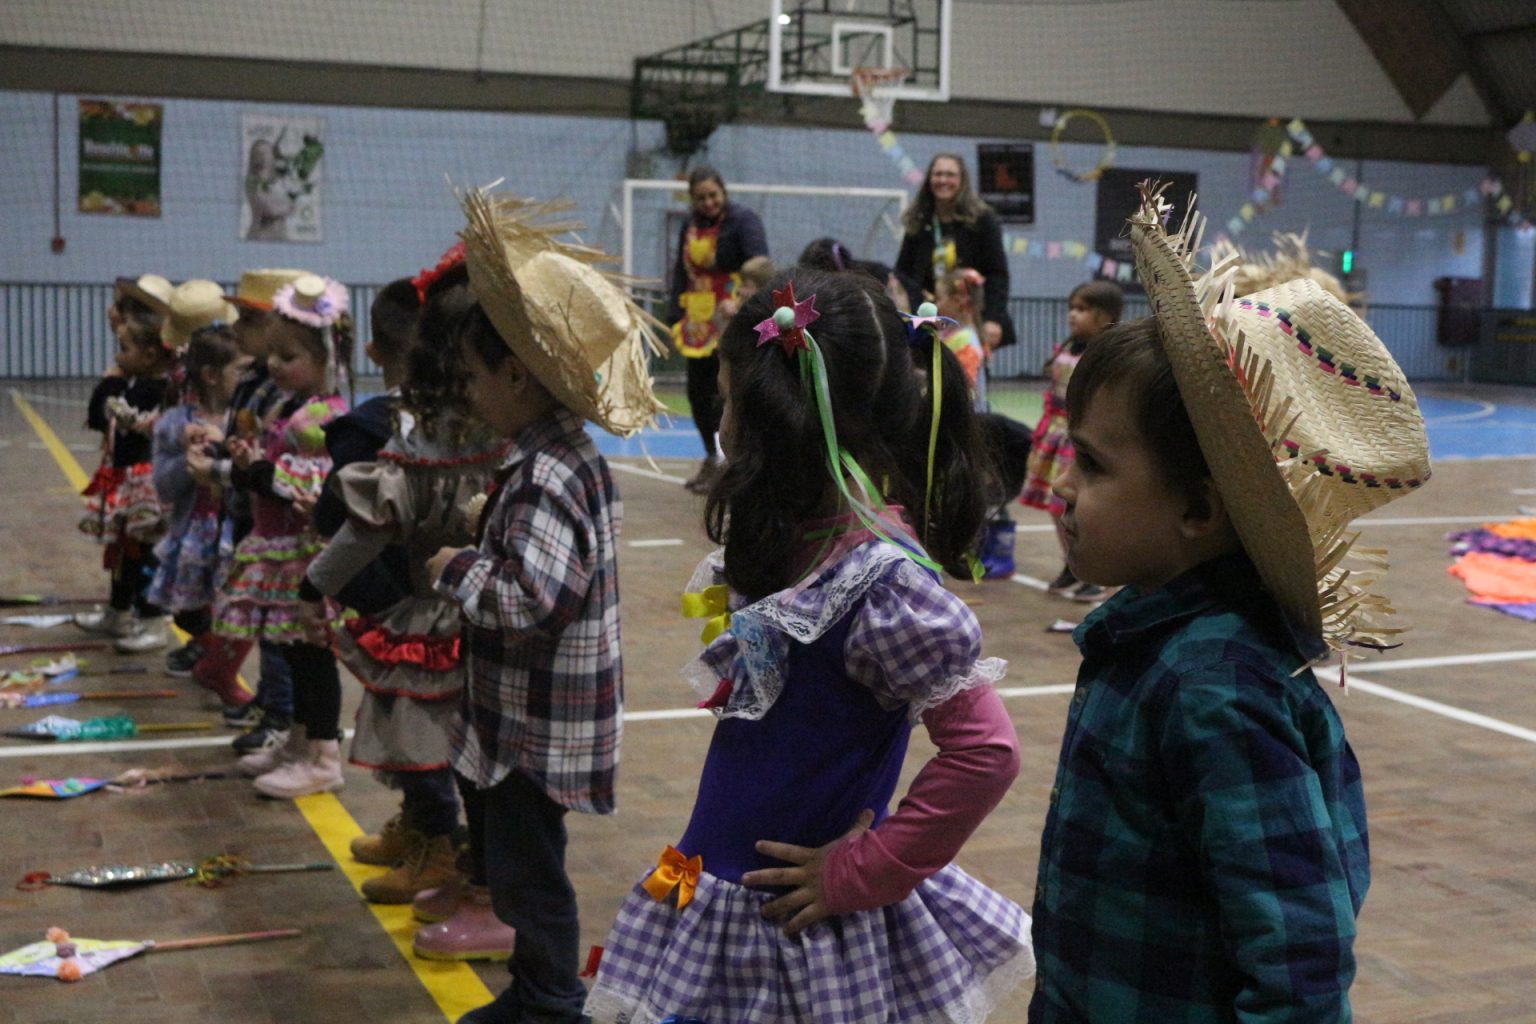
x=876, y=89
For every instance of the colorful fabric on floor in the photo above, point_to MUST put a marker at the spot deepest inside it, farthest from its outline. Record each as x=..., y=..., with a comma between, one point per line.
x=1497, y=562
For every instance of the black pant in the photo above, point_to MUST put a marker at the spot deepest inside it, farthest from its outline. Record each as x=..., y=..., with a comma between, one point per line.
x=704, y=399
x=131, y=576
x=194, y=621
x=523, y=840
x=316, y=689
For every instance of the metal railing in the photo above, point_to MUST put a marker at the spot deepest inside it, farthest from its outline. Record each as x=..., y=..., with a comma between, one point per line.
x=60, y=331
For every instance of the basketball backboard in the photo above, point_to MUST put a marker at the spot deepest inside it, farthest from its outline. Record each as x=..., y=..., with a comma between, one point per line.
x=816, y=45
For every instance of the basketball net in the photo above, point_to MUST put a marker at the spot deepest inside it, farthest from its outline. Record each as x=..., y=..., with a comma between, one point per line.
x=875, y=87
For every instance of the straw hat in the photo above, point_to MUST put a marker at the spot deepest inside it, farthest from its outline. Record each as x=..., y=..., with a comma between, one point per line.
x=194, y=304
x=151, y=289
x=1303, y=416
x=573, y=326
x=257, y=287
x=322, y=303
x=1290, y=259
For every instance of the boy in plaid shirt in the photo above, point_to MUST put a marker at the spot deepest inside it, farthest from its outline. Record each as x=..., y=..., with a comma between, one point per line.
x=1205, y=853
x=548, y=342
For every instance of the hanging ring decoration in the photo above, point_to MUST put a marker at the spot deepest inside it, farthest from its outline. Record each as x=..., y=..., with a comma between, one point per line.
x=1106, y=158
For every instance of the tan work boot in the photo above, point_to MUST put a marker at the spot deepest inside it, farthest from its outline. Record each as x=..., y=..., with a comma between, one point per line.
x=389, y=847
x=430, y=862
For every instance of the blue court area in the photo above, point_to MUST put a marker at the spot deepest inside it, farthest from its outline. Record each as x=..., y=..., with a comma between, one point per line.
x=1471, y=428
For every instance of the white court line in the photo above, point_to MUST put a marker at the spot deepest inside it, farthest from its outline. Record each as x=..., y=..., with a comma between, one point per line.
x=664, y=542
x=1437, y=520
x=1030, y=581
x=1435, y=707
x=1402, y=664
x=1488, y=409
x=43, y=748
x=649, y=474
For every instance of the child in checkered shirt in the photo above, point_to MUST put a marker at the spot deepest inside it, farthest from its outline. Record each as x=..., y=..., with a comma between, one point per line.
x=793, y=894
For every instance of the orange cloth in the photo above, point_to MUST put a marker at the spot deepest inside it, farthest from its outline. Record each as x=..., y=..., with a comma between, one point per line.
x=1515, y=529
x=1491, y=577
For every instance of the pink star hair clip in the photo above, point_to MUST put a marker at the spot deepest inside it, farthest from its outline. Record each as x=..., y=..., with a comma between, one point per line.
x=789, y=321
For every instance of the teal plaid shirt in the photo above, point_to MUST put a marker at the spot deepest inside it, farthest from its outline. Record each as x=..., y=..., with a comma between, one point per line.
x=1205, y=852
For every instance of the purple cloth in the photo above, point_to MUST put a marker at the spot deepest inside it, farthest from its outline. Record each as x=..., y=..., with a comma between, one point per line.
x=1525, y=611
x=945, y=953
x=1467, y=541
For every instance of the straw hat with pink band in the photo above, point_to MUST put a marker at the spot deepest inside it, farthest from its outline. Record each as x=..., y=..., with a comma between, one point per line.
x=324, y=304
x=258, y=287
x=573, y=326
x=1306, y=421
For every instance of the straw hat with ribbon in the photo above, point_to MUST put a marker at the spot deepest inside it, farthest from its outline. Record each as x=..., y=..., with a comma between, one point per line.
x=573, y=326
x=152, y=290
x=258, y=287
x=194, y=304
x=1304, y=418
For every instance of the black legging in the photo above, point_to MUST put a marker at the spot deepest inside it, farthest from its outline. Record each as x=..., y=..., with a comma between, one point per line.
x=704, y=399
x=316, y=689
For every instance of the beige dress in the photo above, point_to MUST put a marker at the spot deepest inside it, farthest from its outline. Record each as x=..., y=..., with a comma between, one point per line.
x=418, y=494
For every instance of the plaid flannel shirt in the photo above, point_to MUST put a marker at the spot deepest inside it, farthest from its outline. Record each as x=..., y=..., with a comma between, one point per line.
x=540, y=601
x=1205, y=852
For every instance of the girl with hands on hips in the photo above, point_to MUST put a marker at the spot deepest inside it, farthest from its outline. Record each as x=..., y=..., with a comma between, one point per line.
x=793, y=894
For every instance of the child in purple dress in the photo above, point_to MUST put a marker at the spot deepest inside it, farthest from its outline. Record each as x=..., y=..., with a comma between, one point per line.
x=792, y=893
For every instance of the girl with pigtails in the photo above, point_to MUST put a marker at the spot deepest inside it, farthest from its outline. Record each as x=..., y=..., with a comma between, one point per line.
x=793, y=892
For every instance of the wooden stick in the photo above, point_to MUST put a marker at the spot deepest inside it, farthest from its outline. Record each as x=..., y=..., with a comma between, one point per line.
x=172, y=726
x=83, y=645
x=224, y=940
x=126, y=694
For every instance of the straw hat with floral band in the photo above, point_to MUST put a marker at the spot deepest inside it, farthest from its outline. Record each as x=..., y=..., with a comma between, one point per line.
x=194, y=304
x=1304, y=418
x=572, y=325
x=257, y=287
x=152, y=290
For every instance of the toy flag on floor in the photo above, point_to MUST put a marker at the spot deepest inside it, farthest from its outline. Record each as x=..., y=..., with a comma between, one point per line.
x=48, y=698
x=59, y=956
x=1497, y=562
x=210, y=873
x=55, y=789
x=111, y=727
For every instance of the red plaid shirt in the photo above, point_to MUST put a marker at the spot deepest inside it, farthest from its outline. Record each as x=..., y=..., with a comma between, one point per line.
x=540, y=601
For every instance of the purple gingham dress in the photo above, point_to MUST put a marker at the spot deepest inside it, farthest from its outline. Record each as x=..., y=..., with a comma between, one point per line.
x=827, y=678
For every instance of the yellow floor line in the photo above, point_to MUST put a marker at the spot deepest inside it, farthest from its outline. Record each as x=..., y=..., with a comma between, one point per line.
x=455, y=987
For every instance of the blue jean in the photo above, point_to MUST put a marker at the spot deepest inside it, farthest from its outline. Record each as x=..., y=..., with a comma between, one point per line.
x=524, y=840
x=429, y=800
x=274, y=686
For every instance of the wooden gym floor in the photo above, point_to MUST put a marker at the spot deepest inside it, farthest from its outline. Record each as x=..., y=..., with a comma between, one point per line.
x=1445, y=729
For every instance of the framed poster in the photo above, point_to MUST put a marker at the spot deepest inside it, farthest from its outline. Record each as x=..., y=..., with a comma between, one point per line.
x=1118, y=199
x=120, y=158
x=1005, y=174
x=280, y=189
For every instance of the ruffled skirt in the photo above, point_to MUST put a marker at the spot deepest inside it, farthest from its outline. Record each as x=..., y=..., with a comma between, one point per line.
x=408, y=662
x=121, y=502
x=260, y=597
x=944, y=955
x=190, y=564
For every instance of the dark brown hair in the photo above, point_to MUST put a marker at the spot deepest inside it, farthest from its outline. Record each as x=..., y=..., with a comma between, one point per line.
x=1104, y=296
x=1131, y=354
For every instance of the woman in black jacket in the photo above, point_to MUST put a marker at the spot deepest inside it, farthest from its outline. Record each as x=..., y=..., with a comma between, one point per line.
x=948, y=226
x=717, y=239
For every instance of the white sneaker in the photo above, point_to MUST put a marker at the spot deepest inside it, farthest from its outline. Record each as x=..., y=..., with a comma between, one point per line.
x=318, y=771
x=149, y=635
x=108, y=621
x=290, y=747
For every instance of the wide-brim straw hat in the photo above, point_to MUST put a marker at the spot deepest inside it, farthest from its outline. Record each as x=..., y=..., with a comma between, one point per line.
x=152, y=290
x=574, y=326
x=1304, y=418
x=1291, y=258
x=258, y=287
x=195, y=304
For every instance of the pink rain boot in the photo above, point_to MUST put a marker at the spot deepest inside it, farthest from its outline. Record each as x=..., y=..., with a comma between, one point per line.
x=440, y=904
x=474, y=932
